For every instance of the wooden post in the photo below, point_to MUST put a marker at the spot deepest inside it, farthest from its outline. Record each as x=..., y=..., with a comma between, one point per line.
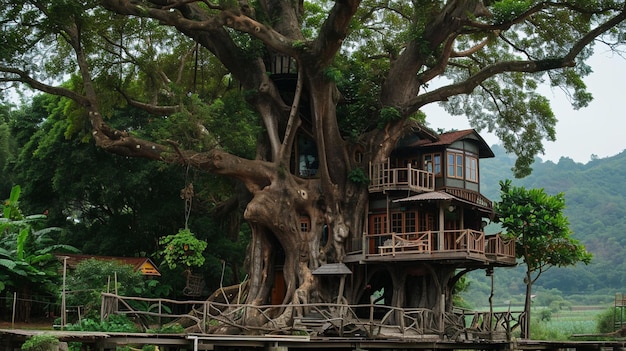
x=63, y=307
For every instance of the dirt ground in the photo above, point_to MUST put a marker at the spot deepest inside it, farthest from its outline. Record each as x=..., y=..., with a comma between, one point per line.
x=39, y=324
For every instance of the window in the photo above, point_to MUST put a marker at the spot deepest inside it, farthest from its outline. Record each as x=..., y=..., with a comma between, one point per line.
x=471, y=168
x=396, y=222
x=432, y=163
x=305, y=224
x=307, y=159
x=455, y=165
x=403, y=222
x=378, y=224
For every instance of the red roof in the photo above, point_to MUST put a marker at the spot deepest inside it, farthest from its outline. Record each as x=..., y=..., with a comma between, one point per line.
x=449, y=138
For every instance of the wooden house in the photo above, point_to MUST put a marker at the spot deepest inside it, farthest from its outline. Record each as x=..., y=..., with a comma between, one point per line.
x=141, y=264
x=425, y=205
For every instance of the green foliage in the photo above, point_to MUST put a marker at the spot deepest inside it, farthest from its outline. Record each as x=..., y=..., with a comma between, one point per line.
x=114, y=323
x=460, y=287
x=333, y=74
x=92, y=277
x=605, y=321
x=41, y=342
x=26, y=250
x=11, y=210
x=506, y=10
x=389, y=115
x=541, y=230
x=596, y=210
x=358, y=176
x=173, y=328
x=182, y=248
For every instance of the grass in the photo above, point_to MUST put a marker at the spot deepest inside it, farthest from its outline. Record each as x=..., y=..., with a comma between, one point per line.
x=562, y=324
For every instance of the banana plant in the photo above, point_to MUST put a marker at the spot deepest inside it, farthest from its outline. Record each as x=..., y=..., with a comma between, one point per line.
x=27, y=261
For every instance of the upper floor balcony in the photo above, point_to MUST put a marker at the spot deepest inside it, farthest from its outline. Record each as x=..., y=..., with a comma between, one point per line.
x=385, y=177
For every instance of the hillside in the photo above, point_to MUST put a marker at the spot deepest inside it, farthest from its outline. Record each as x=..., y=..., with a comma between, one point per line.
x=595, y=195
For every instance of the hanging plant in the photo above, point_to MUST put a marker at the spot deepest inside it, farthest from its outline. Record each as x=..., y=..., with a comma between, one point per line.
x=183, y=248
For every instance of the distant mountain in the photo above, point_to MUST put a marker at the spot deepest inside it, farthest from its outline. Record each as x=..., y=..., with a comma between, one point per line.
x=595, y=195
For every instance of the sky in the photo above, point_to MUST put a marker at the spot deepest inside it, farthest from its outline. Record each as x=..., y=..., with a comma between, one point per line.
x=598, y=129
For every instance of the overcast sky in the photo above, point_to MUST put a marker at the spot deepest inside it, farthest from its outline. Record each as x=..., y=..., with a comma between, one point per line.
x=598, y=129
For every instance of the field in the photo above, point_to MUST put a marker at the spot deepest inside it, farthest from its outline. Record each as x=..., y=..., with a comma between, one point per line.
x=548, y=324
x=564, y=323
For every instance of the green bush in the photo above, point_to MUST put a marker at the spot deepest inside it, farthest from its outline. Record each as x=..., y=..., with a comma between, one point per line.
x=115, y=323
x=41, y=342
x=605, y=321
x=92, y=277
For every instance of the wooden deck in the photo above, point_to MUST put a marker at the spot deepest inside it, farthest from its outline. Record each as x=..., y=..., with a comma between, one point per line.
x=464, y=244
x=11, y=339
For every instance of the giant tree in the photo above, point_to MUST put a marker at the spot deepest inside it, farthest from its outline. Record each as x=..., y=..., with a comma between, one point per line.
x=348, y=77
x=542, y=236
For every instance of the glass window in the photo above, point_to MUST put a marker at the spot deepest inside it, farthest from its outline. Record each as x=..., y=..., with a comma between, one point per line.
x=432, y=163
x=379, y=224
x=455, y=165
x=308, y=162
x=471, y=168
x=409, y=222
x=305, y=224
x=396, y=222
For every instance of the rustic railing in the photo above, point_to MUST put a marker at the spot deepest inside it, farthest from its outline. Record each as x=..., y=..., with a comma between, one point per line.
x=364, y=320
x=384, y=177
x=465, y=240
x=500, y=248
x=312, y=318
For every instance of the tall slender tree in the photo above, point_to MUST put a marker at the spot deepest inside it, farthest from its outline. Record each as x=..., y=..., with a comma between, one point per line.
x=542, y=236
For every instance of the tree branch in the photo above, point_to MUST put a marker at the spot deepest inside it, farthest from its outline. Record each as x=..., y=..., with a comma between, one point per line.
x=333, y=31
x=24, y=77
x=467, y=86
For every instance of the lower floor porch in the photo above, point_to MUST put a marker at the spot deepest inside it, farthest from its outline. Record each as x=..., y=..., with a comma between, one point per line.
x=445, y=245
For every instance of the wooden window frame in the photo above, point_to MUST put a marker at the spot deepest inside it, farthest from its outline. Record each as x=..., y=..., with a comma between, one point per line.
x=435, y=166
x=471, y=168
x=454, y=169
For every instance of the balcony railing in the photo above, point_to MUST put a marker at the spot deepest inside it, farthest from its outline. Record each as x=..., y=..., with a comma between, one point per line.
x=432, y=244
x=384, y=177
x=500, y=248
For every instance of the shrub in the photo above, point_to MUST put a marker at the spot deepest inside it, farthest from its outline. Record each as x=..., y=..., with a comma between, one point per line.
x=605, y=321
x=92, y=277
x=41, y=342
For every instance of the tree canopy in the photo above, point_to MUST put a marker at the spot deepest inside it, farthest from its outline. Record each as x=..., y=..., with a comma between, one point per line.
x=385, y=55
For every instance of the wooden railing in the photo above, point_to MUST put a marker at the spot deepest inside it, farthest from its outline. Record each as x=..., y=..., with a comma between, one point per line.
x=463, y=242
x=365, y=320
x=500, y=247
x=384, y=177
x=491, y=325
x=466, y=240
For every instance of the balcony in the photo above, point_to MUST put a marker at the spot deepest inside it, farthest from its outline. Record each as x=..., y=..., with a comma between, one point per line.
x=465, y=244
x=383, y=177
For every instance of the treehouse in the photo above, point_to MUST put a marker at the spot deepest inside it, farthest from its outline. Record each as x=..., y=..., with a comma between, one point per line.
x=422, y=230
x=425, y=205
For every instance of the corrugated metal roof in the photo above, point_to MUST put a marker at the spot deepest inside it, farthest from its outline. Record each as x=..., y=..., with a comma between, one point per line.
x=332, y=269
x=431, y=195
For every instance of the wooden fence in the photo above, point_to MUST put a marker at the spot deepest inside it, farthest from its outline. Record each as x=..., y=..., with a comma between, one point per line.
x=365, y=320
